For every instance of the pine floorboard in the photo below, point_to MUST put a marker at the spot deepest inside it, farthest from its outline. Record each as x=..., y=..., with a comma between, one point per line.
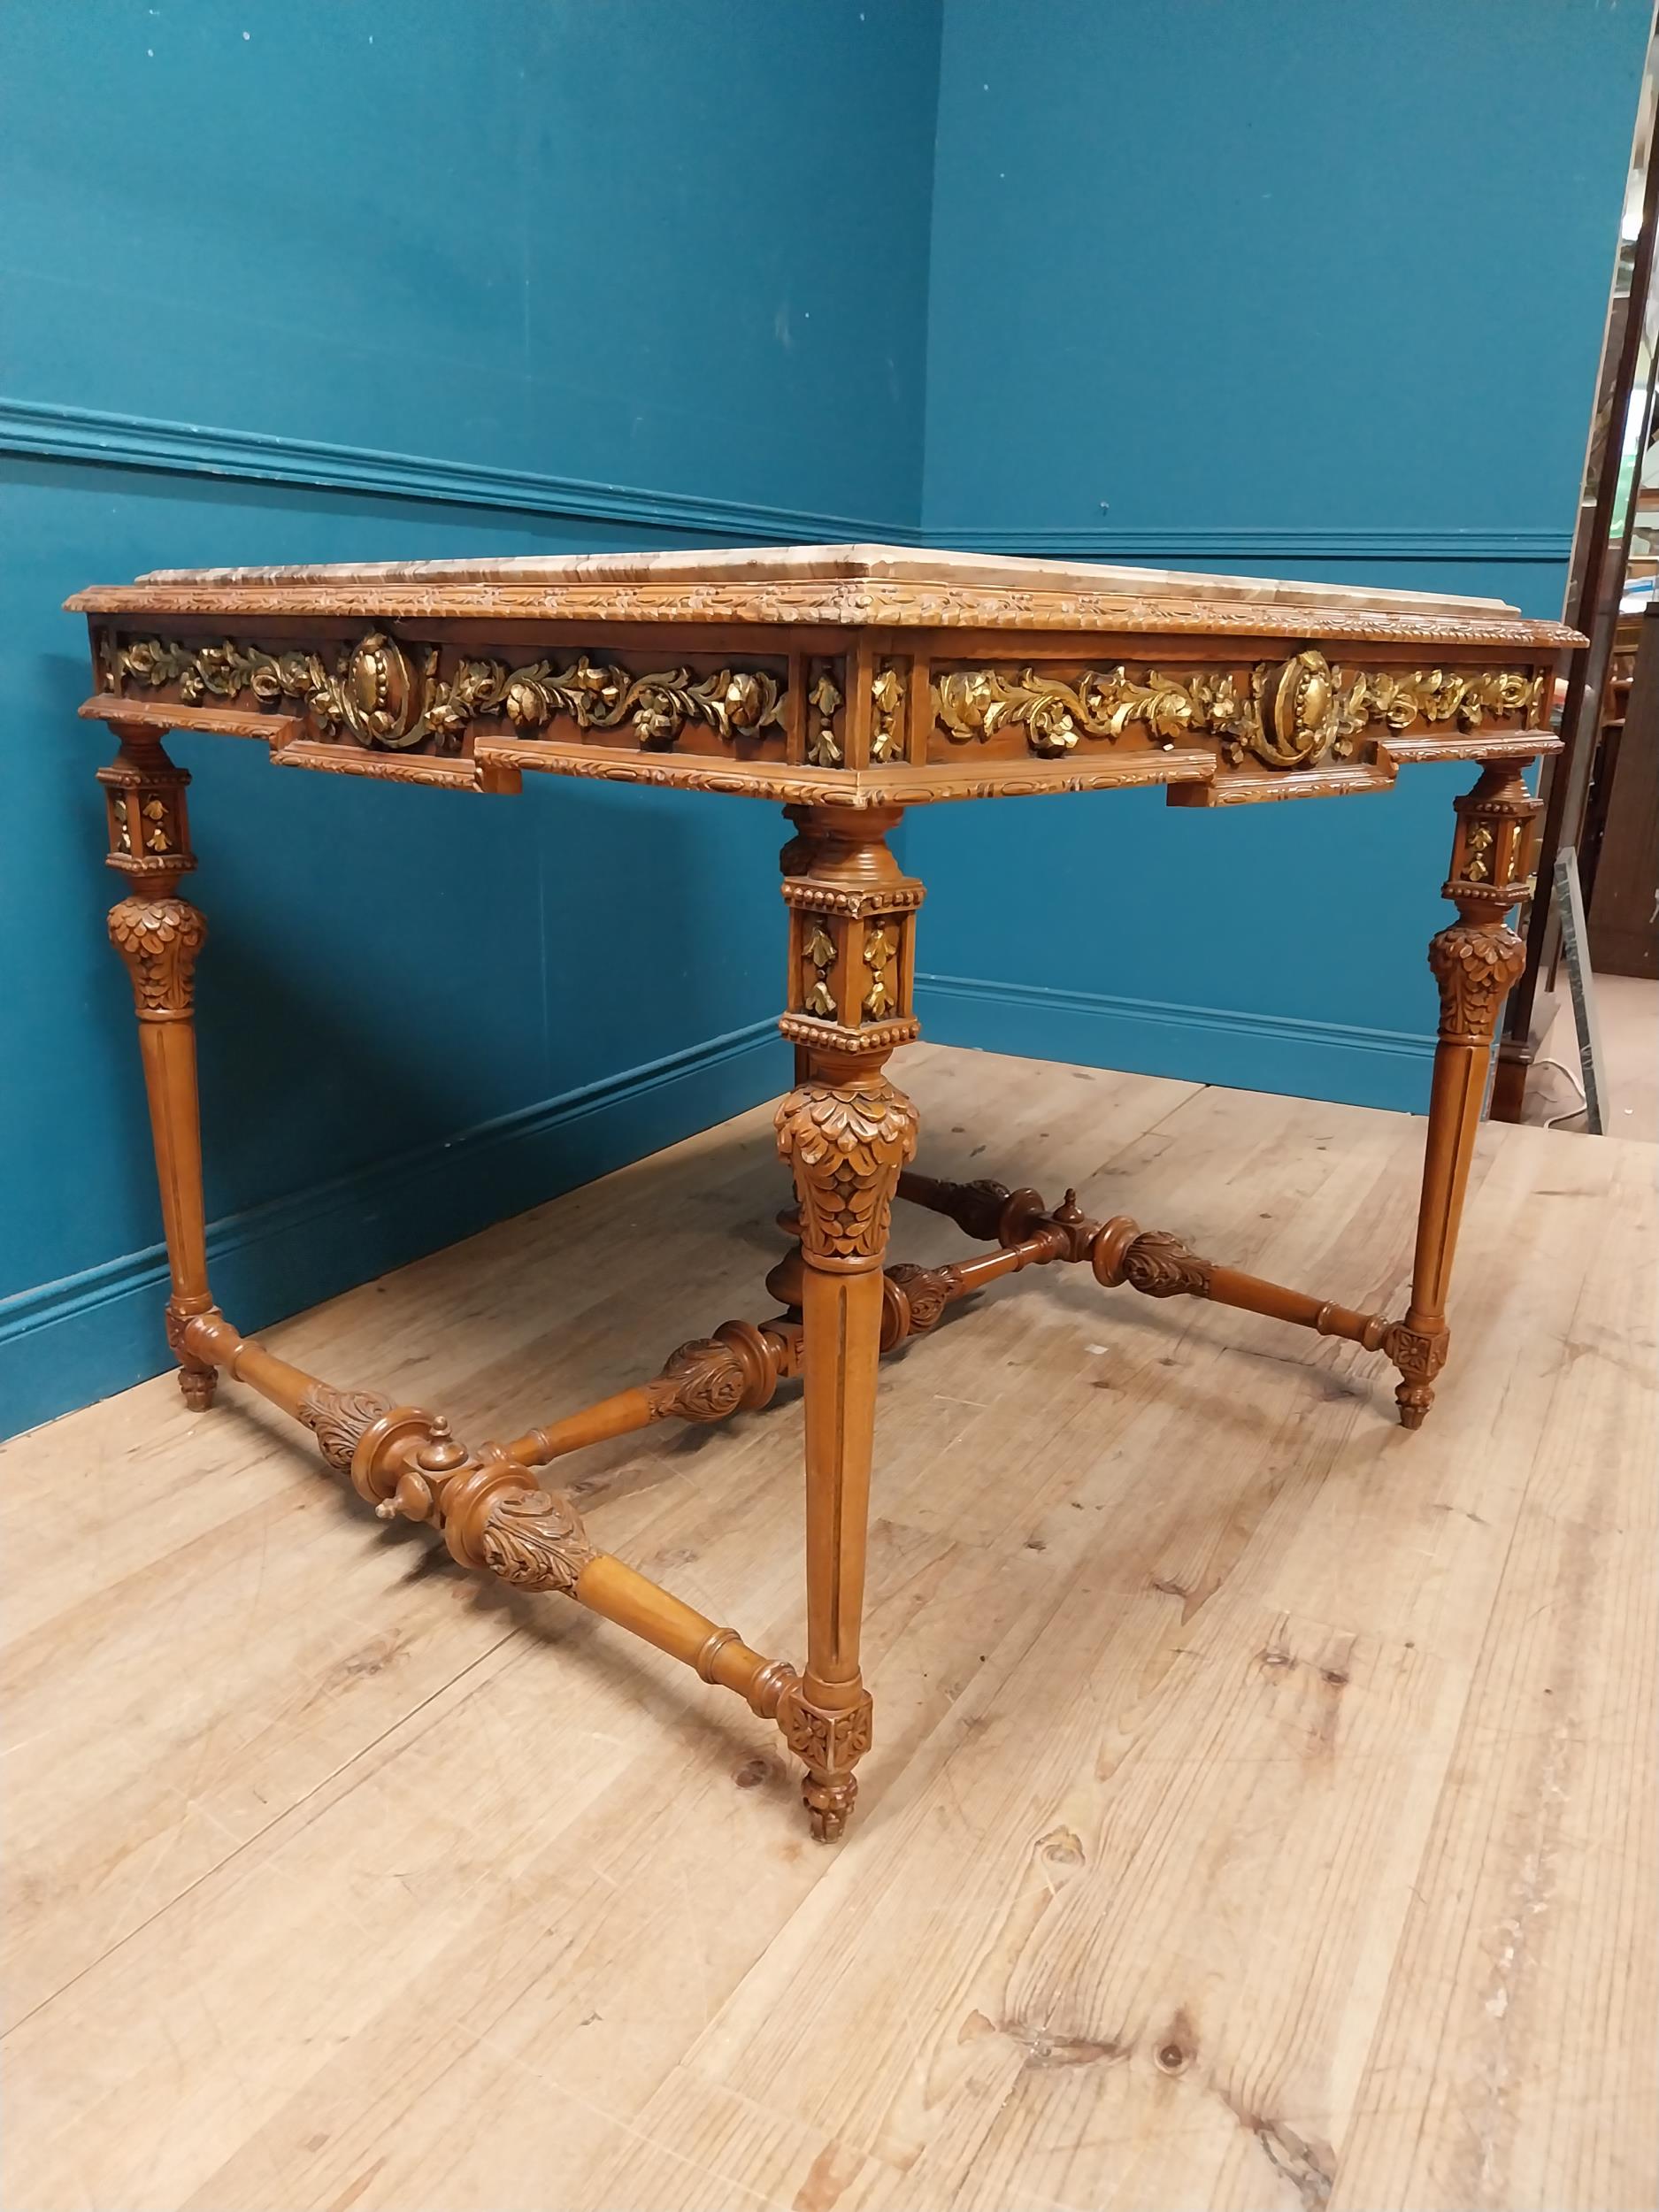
x=1261, y=1813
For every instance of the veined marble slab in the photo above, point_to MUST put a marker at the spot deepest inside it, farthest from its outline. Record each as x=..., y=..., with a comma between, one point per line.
x=839, y=563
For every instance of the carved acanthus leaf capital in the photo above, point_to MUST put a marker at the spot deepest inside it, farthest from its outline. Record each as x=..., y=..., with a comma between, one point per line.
x=1475, y=964
x=159, y=939
x=846, y=1144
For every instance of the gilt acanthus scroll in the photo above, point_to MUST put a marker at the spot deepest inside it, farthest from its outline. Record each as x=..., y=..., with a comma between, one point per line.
x=390, y=696
x=1300, y=713
x=1054, y=714
x=1294, y=713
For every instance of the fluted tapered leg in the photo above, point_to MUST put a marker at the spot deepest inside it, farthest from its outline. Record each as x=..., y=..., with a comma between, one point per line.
x=846, y=1132
x=1475, y=961
x=158, y=934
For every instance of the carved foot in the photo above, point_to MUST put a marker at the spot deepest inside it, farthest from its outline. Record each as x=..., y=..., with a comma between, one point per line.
x=828, y=1800
x=196, y=1387
x=198, y=1378
x=831, y=1743
x=1419, y=1354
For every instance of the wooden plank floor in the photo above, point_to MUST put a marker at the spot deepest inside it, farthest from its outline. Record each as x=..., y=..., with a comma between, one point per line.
x=1261, y=1813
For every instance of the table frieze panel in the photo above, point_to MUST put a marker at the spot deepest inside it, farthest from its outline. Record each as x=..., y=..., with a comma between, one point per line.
x=387, y=695
x=865, y=726
x=1295, y=714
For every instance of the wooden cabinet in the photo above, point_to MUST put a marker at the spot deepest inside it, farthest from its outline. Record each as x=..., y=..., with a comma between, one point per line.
x=1622, y=850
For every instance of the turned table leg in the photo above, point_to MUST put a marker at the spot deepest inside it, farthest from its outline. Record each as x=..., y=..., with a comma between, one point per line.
x=1475, y=961
x=160, y=934
x=846, y=1132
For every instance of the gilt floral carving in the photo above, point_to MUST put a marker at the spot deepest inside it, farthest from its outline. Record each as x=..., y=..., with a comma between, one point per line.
x=881, y=954
x=657, y=706
x=817, y=953
x=887, y=703
x=1054, y=714
x=1290, y=714
x=823, y=747
x=390, y=697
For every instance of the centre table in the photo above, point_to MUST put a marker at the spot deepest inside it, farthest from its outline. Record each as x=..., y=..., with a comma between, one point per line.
x=848, y=682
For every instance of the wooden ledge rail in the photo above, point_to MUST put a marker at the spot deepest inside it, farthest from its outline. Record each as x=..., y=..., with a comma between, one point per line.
x=1151, y=1261
x=739, y=1368
x=609, y=1586
x=494, y=1517
x=710, y=1378
x=1159, y=1265
x=617, y=1415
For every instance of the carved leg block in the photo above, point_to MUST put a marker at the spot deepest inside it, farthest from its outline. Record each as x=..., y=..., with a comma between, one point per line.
x=1419, y=1354
x=831, y=1744
x=198, y=1380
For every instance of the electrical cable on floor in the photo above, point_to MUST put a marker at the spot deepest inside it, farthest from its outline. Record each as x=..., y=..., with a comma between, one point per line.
x=1553, y=1121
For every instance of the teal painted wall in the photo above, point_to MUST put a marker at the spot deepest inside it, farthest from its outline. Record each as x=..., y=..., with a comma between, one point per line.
x=663, y=269
x=1287, y=287
x=675, y=245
